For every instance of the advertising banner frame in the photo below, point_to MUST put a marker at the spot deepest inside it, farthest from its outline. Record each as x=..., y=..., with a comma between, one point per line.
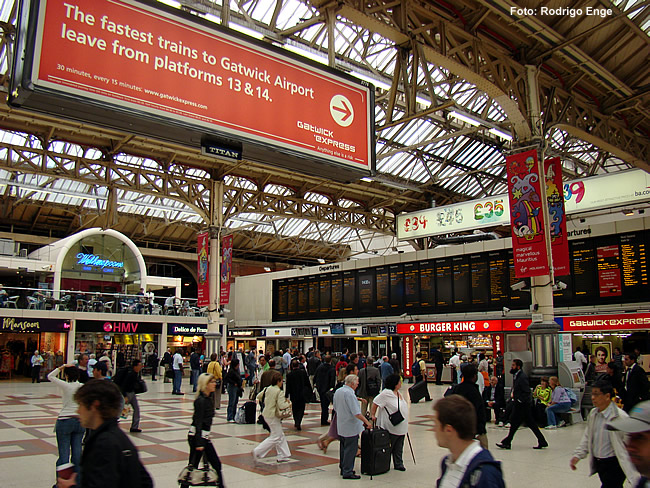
x=225, y=269
x=203, y=269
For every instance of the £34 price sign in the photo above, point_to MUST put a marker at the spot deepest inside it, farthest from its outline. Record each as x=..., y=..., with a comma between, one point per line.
x=414, y=224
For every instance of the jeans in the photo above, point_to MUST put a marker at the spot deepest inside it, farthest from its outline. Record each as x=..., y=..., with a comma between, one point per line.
x=347, y=454
x=178, y=377
x=233, y=398
x=133, y=401
x=69, y=434
x=551, y=410
x=195, y=378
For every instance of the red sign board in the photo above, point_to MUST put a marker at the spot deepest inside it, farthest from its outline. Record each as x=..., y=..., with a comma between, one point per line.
x=557, y=214
x=497, y=343
x=456, y=327
x=609, y=273
x=606, y=322
x=408, y=355
x=526, y=215
x=138, y=57
x=203, y=270
x=226, y=269
x=519, y=325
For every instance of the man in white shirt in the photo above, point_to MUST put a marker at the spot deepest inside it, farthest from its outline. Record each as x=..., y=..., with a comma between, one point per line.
x=455, y=428
x=637, y=439
x=177, y=367
x=454, y=362
x=580, y=358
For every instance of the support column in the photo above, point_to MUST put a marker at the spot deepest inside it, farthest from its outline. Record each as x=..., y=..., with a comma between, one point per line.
x=215, y=337
x=544, y=334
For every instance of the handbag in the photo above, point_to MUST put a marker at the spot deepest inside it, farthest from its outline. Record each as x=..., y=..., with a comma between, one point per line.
x=254, y=391
x=139, y=386
x=395, y=418
x=191, y=475
x=282, y=413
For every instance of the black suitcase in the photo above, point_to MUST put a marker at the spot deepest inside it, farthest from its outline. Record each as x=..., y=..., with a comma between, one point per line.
x=249, y=410
x=418, y=391
x=375, y=451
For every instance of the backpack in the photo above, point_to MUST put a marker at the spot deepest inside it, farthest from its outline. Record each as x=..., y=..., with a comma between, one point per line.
x=416, y=368
x=572, y=396
x=120, y=376
x=373, y=385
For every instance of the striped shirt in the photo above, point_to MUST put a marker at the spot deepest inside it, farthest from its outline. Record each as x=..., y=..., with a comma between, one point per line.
x=456, y=470
x=601, y=447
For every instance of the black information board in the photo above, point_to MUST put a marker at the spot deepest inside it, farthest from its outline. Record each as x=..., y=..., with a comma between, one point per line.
x=427, y=285
x=634, y=266
x=584, y=270
x=518, y=299
x=325, y=294
x=499, y=279
x=281, y=300
x=382, y=278
x=337, y=294
x=292, y=298
x=314, y=296
x=411, y=286
x=480, y=283
x=303, y=296
x=462, y=282
x=366, y=292
x=608, y=261
x=396, y=287
x=444, y=284
x=349, y=293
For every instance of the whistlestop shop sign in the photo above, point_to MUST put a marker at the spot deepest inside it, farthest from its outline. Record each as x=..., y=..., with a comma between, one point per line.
x=179, y=68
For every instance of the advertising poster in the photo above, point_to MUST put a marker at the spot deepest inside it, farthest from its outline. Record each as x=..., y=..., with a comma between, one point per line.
x=408, y=354
x=557, y=214
x=203, y=288
x=526, y=215
x=226, y=268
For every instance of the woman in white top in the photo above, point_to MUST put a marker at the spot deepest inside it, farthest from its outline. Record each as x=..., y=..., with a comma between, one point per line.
x=69, y=432
x=274, y=401
x=388, y=402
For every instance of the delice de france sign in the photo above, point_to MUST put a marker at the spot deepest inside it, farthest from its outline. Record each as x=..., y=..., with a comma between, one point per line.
x=139, y=57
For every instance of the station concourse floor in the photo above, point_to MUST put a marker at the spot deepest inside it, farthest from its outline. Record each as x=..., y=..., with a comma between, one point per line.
x=28, y=450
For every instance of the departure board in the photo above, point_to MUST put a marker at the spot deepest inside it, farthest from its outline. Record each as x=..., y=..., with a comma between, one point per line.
x=337, y=293
x=480, y=284
x=303, y=296
x=411, y=286
x=609, y=270
x=584, y=270
x=382, y=278
x=499, y=279
x=366, y=291
x=444, y=284
x=283, y=292
x=462, y=282
x=562, y=297
x=396, y=286
x=349, y=292
x=427, y=284
x=314, y=296
x=518, y=299
x=634, y=264
x=292, y=298
x=325, y=284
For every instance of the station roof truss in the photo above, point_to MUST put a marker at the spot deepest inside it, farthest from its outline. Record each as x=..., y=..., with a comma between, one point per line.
x=451, y=98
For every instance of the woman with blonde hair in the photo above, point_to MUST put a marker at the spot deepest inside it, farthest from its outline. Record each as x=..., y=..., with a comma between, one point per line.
x=274, y=402
x=198, y=436
x=214, y=368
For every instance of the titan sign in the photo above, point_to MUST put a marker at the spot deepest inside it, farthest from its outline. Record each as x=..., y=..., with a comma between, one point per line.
x=159, y=65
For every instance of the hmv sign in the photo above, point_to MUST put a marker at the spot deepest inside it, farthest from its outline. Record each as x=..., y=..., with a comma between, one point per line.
x=119, y=327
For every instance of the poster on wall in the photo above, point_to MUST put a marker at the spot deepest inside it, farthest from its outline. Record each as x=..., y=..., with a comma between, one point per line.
x=408, y=354
x=226, y=268
x=203, y=288
x=557, y=215
x=526, y=215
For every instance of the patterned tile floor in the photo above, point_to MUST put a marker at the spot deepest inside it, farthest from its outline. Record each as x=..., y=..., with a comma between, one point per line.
x=28, y=445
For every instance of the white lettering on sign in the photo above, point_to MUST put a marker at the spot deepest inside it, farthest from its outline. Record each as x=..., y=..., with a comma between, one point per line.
x=622, y=322
x=448, y=327
x=93, y=260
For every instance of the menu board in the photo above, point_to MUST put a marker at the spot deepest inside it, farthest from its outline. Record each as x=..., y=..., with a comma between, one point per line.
x=609, y=270
x=444, y=284
x=366, y=291
x=583, y=269
x=499, y=279
x=314, y=296
x=292, y=298
x=462, y=282
x=427, y=284
x=303, y=296
x=382, y=278
x=349, y=292
x=396, y=286
x=283, y=292
x=411, y=286
x=480, y=282
x=325, y=294
x=337, y=293
x=634, y=265
x=518, y=299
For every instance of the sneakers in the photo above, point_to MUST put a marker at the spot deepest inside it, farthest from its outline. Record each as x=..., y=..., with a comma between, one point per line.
x=256, y=458
x=507, y=426
x=282, y=460
x=562, y=424
x=500, y=424
x=550, y=427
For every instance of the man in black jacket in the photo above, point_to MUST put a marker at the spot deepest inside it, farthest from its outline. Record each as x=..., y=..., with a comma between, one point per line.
x=325, y=380
x=635, y=382
x=109, y=459
x=438, y=360
x=521, y=411
x=195, y=365
x=131, y=386
x=469, y=389
x=312, y=365
x=494, y=399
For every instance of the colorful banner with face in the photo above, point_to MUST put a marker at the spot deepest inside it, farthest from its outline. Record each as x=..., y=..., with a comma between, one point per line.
x=226, y=268
x=557, y=214
x=203, y=288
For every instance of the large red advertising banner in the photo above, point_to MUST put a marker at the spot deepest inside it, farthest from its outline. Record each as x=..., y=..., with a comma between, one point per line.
x=526, y=215
x=203, y=272
x=226, y=268
x=136, y=56
x=455, y=327
x=408, y=356
x=557, y=215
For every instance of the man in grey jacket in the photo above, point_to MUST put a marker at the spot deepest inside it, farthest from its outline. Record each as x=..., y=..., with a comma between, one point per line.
x=369, y=385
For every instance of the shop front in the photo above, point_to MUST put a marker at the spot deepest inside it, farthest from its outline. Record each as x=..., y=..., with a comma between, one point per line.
x=20, y=337
x=244, y=339
x=283, y=338
x=137, y=340
x=185, y=337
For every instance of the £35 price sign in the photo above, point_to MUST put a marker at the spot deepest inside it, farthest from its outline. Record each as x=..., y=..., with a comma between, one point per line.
x=488, y=211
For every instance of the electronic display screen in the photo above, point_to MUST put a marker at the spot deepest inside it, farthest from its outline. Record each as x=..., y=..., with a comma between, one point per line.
x=382, y=279
x=283, y=293
x=499, y=279
x=462, y=281
x=325, y=285
x=314, y=296
x=292, y=297
x=349, y=292
x=480, y=284
x=444, y=284
x=303, y=296
x=427, y=284
x=583, y=269
x=518, y=299
x=411, y=286
x=634, y=266
x=366, y=291
x=337, y=293
x=396, y=287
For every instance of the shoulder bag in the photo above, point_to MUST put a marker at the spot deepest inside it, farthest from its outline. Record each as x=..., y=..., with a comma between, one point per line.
x=395, y=418
x=282, y=413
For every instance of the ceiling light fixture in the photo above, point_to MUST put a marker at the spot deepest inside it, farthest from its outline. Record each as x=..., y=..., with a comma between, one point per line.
x=466, y=118
x=501, y=134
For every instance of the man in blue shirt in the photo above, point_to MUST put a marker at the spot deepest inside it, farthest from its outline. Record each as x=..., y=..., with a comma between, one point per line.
x=386, y=370
x=349, y=424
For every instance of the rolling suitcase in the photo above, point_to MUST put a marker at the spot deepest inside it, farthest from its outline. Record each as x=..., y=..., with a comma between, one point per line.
x=375, y=451
x=418, y=391
x=249, y=411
